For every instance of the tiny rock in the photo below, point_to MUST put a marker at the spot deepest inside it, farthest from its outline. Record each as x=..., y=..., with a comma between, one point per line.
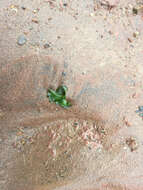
x=36, y=11
x=84, y=73
x=65, y=4
x=24, y=8
x=135, y=34
x=129, y=39
x=63, y=74
x=135, y=11
x=21, y=40
x=47, y=45
x=35, y=21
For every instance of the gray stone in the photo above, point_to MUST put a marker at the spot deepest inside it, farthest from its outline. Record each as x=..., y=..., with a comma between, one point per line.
x=21, y=40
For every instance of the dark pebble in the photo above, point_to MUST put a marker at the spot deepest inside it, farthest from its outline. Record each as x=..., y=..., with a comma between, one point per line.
x=135, y=11
x=24, y=8
x=58, y=37
x=63, y=74
x=129, y=39
x=21, y=40
x=35, y=21
x=46, y=45
x=65, y=4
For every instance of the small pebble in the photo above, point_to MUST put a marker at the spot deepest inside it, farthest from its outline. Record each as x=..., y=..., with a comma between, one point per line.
x=135, y=34
x=63, y=74
x=47, y=45
x=24, y=8
x=65, y=4
x=76, y=28
x=135, y=11
x=21, y=40
x=84, y=73
x=36, y=11
x=49, y=18
x=35, y=21
x=129, y=39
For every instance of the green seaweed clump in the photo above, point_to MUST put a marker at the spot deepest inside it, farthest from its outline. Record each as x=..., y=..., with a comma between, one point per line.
x=59, y=96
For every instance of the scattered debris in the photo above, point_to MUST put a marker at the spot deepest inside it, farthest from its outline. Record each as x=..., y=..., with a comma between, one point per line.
x=131, y=142
x=21, y=40
x=23, y=138
x=110, y=32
